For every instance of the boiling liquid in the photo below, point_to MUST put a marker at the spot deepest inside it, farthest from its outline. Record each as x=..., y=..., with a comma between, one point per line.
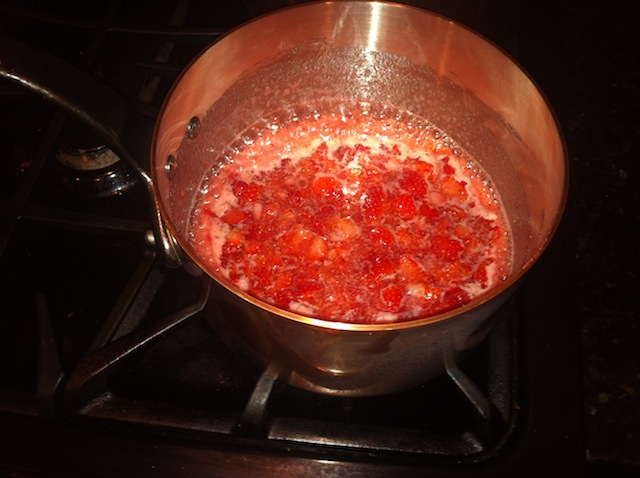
x=352, y=216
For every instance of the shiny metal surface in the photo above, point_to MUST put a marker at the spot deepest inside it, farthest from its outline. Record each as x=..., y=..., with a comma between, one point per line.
x=373, y=52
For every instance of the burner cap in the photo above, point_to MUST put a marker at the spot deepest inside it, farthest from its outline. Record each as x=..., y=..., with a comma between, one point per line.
x=89, y=168
x=91, y=159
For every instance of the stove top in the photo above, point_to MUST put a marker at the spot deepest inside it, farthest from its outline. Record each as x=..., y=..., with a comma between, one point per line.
x=108, y=366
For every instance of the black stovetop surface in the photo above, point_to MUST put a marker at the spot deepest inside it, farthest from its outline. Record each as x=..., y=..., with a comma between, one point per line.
x=583, y=55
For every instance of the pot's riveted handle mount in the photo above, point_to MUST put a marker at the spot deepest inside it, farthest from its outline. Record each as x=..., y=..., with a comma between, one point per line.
x=123, y=129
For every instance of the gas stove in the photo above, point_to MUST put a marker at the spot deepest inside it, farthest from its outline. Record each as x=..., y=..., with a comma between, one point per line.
x=108, y=365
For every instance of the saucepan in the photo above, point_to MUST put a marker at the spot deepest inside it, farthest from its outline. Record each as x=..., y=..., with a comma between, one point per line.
x=374, y=52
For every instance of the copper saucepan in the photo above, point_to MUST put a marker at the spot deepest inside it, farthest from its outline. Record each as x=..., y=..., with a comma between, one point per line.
x=360, y=52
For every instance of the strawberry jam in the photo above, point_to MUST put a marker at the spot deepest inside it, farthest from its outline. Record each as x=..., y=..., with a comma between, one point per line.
x=356, y=218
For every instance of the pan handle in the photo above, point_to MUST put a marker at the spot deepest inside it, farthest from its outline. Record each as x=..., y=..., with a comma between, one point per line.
x=123, y=129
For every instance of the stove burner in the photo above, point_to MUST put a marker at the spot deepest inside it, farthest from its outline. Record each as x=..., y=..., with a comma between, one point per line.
x=91, y=159
x=96, y=173
x=88, y=168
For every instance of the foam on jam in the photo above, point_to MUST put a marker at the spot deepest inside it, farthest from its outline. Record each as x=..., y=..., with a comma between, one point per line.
x=357, y=218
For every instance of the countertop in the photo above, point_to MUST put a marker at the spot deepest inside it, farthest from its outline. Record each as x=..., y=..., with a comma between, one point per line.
x=598, y=103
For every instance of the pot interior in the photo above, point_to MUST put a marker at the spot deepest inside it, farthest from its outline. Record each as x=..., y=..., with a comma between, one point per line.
x=386, y=59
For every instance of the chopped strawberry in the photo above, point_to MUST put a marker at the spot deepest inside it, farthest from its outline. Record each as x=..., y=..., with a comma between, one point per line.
x=429, y=212
x=392, y=297
x=270, y=209
x=455, y=297
x=343, y=229
x=343, y=152
x=286, y=219
x=409, y=269
x=456, y=272
x=446, y=248
x=404, y=206
x=328, y=187
x=234, y=215
x=452, y=188
x=412, y=182
x=296, y=240
x=424, y=168
x=374, y=203
x=306, y=288
x=258, y=274
x=252, y=246
x=484, y=229
x=406, y=239
x=252, y=193
x=235, y=236
x=447, y=168
x=381, y=236
x=381, y=265
x=480, y=274
x=461, y=231
x=233, y=247
x=245, y=192
x=239, y=187
x=320, y=153
x=207, y=210
x=362, y=149
x=299, y=196
x=282, y=281
x=318, y=249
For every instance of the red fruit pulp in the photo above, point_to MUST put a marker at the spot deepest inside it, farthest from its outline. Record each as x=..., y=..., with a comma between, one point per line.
x=359, y=219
